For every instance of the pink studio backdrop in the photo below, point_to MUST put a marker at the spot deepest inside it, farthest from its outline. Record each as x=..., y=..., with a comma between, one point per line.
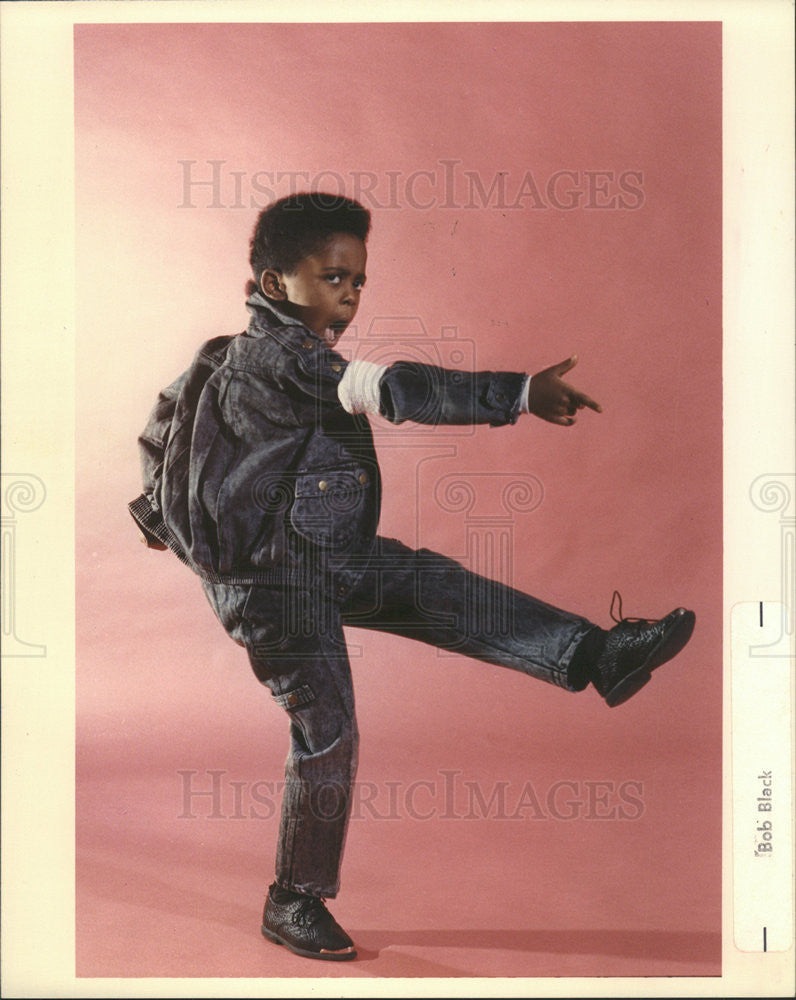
x=537, y=190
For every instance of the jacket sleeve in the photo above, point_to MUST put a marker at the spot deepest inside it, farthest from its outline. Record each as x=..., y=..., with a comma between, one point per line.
x=429, y=395
x=153, y=439
x=152, y=442
x=408, y=390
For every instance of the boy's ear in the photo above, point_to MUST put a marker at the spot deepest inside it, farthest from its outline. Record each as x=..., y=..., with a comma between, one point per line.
x=272, y=285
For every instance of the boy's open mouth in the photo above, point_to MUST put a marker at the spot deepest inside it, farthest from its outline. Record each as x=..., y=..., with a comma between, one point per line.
x=335, y=330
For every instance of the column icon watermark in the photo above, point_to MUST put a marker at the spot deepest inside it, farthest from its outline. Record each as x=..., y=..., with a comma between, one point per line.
x=22, y=493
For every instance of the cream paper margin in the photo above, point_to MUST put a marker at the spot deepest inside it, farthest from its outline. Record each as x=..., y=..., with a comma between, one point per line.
x=37, y=260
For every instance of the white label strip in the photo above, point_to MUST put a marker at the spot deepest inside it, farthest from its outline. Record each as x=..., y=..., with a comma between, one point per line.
x=762, y=777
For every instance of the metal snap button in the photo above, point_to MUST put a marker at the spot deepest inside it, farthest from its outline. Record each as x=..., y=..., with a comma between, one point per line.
x=292, y=699
x=336, y=367
x=308, y=344
x=363, y=478
x=322, y=485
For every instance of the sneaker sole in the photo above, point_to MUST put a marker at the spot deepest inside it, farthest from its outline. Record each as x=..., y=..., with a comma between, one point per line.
x=672, y=641
x=327, y=956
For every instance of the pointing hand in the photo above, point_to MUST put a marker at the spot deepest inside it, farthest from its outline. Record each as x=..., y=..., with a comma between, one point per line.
x=553, y=399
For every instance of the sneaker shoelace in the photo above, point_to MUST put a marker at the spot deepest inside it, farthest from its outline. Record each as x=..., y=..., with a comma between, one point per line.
x=310, y=911
x=617, y=600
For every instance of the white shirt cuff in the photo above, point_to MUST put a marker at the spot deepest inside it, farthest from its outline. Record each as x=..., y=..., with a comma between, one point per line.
x=358, y=390
x=524, y=395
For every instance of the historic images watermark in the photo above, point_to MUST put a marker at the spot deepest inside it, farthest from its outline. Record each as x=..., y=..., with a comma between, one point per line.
x=447, y=184
x=446, y=795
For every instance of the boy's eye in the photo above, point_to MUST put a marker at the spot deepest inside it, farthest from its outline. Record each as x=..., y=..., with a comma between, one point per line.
x=336, y=279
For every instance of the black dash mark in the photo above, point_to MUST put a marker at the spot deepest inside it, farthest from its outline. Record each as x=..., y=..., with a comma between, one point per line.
x=761, y=614
x=765, y=948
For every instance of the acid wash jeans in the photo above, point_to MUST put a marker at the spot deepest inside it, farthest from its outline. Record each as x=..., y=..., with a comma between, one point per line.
x=296, y=647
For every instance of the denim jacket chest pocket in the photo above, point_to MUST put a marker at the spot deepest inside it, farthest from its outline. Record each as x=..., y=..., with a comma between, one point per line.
x=329, y=504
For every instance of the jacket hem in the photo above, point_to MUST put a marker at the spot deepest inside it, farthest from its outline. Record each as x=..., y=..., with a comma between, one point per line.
x=155, y=529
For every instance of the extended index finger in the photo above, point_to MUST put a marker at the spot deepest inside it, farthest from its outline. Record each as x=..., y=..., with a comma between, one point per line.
x=583, y=400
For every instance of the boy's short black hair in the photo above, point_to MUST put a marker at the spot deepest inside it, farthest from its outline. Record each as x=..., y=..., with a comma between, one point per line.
x=296, y=226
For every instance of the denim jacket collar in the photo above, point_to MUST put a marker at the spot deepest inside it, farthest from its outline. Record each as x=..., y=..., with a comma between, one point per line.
x=257, y=304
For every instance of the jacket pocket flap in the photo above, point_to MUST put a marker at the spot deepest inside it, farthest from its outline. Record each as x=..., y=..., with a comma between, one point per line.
x=331, y=483
x=296, y=698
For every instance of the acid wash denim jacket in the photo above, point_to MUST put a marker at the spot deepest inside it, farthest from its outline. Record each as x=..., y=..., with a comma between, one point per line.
x=253, y=471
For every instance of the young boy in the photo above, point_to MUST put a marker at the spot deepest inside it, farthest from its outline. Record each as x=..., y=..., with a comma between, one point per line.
x=260, y=474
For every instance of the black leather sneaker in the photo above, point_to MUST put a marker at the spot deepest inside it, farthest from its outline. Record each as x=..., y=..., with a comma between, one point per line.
x=304, y=925
x=635, y=647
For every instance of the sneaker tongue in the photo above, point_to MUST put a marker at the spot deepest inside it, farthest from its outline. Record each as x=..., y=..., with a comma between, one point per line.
x=312, y=910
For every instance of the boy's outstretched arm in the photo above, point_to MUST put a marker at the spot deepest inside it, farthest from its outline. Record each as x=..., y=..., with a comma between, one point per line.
x=553, y=399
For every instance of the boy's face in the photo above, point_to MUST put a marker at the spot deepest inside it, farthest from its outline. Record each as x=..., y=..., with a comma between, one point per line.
x=323, y=292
